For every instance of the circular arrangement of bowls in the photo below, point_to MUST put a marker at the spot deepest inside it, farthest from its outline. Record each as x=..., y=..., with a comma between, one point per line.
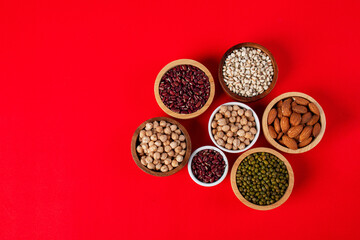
x=213, y=183
x=172, y=65
x=279, y=146
x=236, y=96
x=135, y=143
x=242, y=105
x=236, y=189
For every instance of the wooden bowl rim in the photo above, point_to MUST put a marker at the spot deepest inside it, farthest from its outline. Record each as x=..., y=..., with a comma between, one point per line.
x=225, y=170
x=172, y=65
x=239, y=195
x=257, y=121
x=236, y=96
x=134, y=142
x=279, y=146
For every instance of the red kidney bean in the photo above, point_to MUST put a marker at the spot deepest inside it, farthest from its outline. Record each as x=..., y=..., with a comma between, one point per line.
x=184, y=89
x=208, y=166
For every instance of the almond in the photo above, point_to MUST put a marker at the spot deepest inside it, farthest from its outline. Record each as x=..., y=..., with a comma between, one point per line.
x=314, y=108
x=286, y=108
x=284, y=124
x=272, y=115
x=294, y=131
x=272, y=132
x=279, y=104
x=305, y=142
x=293, y=104
x=306, y=133
x=281, y=142
x=316, y=130
x=280, y=135
x=301, y=101
x=277, y=125
x=300, y=109
x=295, y=119
x=289, y=142
x=279, y=113
x=314, y=119
x=306, y=117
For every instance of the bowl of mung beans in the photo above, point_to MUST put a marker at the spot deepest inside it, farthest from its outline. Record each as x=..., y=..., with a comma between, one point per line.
x=262, y=178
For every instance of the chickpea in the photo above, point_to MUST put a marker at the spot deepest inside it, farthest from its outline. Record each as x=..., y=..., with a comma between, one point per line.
x=228, y=146
x=164, y=168
x=179, y=158
x=213, y=124
x=167, y=131
x=247, y=142
x=163, y=138
x=139, y=149
x=219, y=128
x=248, y=135
x=242, y=146
x=163, y=156
x=174, y=163
x=243, y=121
x=241, y=112
x=148, y=133
x=142, y=133
x=232, y=119
x=150, y=166
x=162, y=123
x=238, y=119
x=173, y=144
x=158, y=166
x=216, y=137
x=225, y=138
x=146, y=140
x=182, y=153
x=236, y=142
x=230, y=140
x=253, y=130
x=160, y=149
x=246, y=128
x=252, y=137
x=223, y=109
x=144, y=146
x=213, y=131
x=153, y=137
x=178, y=149
x=171, y=153
x=167, y=149
x=168, y=125
x=220, y=142
x=170, y=167
x=248, y=113
x=229, y=134
x=220, y=134
x=234, y=113
x=166, y=143
x=229, y=108
x=173, y=127
x=242, y=139
x=236, y=107
x=174, y=136
x=222, y=122
x=226, y=128
x=167, y=161
x=227, y=114
x=148, y=159
x=151, y=154
x=178, y=131
x=157, y=155
x=159, y=129
x=218, y=116
x=148, y=126
x=234, y=129
x=182, y=138
x=241, y=133
x=252, y=118
x=156, y=161
x=155, y=124
x=143, y=162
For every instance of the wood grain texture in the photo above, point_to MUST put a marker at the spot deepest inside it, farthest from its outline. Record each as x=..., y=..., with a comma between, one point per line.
x=240, y=196
x=172, y=65
x=236, y=96
x=135, y=143
x=279, y=146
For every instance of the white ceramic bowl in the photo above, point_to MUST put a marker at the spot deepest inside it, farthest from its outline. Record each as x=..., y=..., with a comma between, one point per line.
x=213, y=183
x=242, y=105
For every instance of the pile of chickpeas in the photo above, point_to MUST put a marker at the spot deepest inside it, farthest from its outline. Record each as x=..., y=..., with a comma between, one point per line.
x=162, y=146
x=233, y=127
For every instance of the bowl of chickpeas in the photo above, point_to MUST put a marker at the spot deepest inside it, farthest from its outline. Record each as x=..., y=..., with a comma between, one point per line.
x=161, y=146
x=234, y=127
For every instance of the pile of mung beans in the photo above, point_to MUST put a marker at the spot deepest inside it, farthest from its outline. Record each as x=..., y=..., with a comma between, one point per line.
x=262, y=178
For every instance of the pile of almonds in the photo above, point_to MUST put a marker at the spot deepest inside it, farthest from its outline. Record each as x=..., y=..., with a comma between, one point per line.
x=233, y=127
x=162, y=146
x=294, y=122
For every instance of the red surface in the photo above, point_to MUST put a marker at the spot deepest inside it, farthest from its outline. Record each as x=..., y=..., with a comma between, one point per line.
x=77, y=79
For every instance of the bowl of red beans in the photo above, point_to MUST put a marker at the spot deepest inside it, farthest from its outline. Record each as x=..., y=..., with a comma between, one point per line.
x=184, y=88
x=208, y=166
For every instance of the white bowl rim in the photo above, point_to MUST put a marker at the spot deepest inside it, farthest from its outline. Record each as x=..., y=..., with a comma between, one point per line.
x=220, y=179
x=256, y=121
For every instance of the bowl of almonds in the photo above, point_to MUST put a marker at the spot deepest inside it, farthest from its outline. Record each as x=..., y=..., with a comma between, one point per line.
x=184, y=88
x=248, y=72
x=294, y=122
x=161, y=146
x=234, y=127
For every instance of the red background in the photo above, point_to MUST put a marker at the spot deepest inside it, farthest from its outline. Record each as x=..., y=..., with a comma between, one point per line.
x=76, y=80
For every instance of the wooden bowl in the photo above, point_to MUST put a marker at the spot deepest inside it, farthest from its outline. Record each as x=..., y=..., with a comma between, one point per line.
x=278, y=145
x=236, y=96
x=172, y=65
x=240, y=196
x=135, y=143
